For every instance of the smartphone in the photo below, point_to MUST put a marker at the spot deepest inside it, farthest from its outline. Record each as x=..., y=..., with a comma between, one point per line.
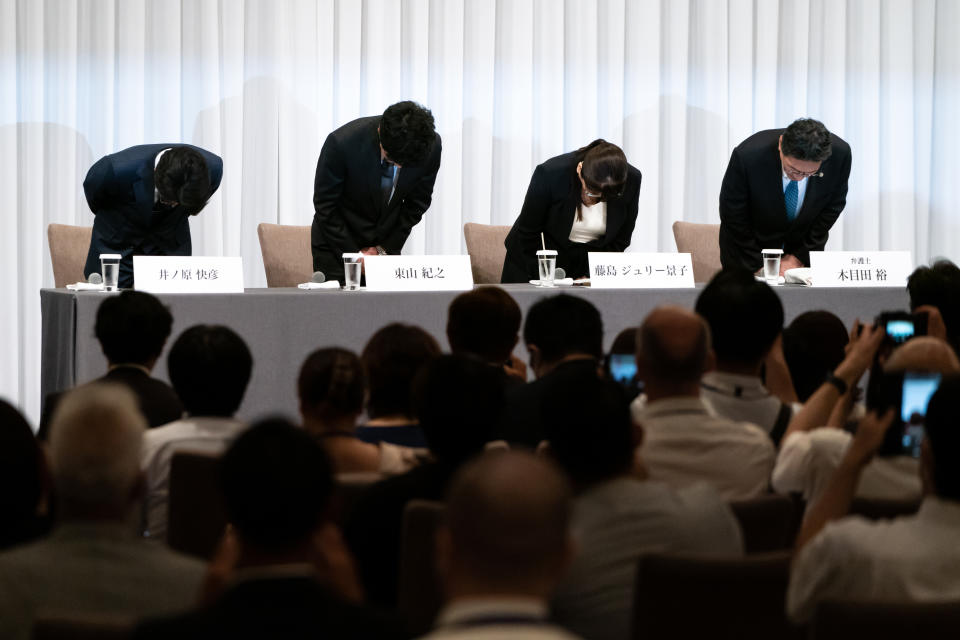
x=914, y=397
x=623, y=368
x=900, y=326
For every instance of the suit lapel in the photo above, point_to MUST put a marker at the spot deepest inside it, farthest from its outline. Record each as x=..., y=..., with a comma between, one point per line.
x=564, y=223
x=143, y=189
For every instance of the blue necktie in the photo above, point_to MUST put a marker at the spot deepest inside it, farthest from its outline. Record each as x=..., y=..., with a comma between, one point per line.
x=790, y=198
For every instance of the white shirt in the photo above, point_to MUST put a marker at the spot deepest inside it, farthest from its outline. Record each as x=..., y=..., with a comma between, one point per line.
x=740, y=397
x=592, y=225
x=909, y=559
x=684, y=443
x=808, y=459
x=510, y=618
x=206, y=435
x=156, y=161
x=801, y=190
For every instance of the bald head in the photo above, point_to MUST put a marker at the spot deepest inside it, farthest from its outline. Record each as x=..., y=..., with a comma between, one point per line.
x=673, y=346
x=923, y=353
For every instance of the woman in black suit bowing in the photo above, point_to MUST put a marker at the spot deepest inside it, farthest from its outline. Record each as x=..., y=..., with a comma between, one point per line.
x=581, y=201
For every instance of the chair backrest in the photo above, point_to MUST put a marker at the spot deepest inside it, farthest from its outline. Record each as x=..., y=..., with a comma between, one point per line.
x=82, y=627
x=843, y=620
x=487, y=253
x=686, y=596
x=420, y=596
x=702, y=242
x=349, y=488
x=195, y=517
x=69, y=246
x=878, y=509
x=287, y=256
x=768, y=523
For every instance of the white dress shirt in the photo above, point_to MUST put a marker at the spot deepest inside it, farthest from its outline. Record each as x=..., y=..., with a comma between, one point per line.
x=909, y=559
x=509, y=618
x=592, y=225
x=742, y=398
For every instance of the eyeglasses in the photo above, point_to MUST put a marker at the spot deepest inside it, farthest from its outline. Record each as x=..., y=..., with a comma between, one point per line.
x=791, y=170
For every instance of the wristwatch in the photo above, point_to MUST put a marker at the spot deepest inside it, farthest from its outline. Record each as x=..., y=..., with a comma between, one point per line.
x=381, y=251
x=837, y=382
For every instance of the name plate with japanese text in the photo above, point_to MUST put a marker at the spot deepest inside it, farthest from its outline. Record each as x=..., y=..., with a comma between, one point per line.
x=640, y=270
x=418, y=273
x=860, y=268
x=188, y=274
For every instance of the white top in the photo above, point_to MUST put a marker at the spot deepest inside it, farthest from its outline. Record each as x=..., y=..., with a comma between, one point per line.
x=684, y=443
x=156, y=161
x=740, y=397
x=807, y=459
x=510, y=618
x=205, y=435
x=592, y=226
x=801, y=190
x=909, y=559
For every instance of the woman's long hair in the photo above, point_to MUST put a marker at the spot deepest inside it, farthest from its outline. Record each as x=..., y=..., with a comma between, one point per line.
x=604, y=171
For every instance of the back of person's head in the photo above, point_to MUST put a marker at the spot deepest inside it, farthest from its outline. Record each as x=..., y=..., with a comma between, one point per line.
x=331, y=384
x=806, y=139
x=182, y=176
x=563, y=325
x=407, y=133
x=209, y=367
x=507, y=520
x=943, y=437
x=277, y=483
x=813, y=345
x=21, y=477
x=95, y=438
x=589, y=428
x=604, y=169
x=132, y=327
x=625, y=342
x=458, y=400
x=484, y=322
x=923, y=353
x=673, y=347
x=939, y=286
x=745, y=316
x=392, y=358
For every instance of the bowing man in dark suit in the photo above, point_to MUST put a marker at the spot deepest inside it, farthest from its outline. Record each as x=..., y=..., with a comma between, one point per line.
x=374, y=180
x=784, y=188
x=581, y=201
x=143, y=197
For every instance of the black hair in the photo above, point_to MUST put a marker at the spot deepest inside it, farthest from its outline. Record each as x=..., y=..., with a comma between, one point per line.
x=563, y=324
x=941, y=427
x=132, y=327
x=813, y=346
x=182, y=176
x=209, y=368
x=407, y=133
x=391, y=359
x=604, y=170
x=625, y=342
x=745, y=316
x=277, y=483
x=939, y=285
x=332, y=383
x=806, y=139
x=484, y=322
x=21, y=478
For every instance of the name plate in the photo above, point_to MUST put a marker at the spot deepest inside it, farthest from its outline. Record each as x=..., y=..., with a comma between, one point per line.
x=640, y=270
x=418, y=273
x=860, y=268
x=188, y=274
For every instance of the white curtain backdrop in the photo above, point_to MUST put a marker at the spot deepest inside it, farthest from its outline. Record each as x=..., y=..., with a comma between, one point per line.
x=677, y=83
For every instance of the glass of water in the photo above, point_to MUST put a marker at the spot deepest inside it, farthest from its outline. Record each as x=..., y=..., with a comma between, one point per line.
x=771, y=266
x=547, y=263
x=352, y=263
x=110, y=268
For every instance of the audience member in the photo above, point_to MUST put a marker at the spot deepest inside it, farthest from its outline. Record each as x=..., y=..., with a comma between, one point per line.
x=132, y=328
x=331, y=388
x=503, y=548
x=392, y=358
x=485, y=323
x=283, y=569
x=457, y=400
x=564, y=336
x=683, y=441
x=912, y=558
x=92, y=563
x=209, y=367
x=813, y=346
x=24, y=487
x=938, y=286
x=746, y=321
x=811, y=452
x=617, y=515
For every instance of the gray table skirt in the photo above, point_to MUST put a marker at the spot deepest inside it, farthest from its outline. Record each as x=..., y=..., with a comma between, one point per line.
x=281, y=326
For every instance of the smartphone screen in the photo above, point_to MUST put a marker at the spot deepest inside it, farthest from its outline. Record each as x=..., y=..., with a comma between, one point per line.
x=900, y=330
x=623, y=368
x=917, y=389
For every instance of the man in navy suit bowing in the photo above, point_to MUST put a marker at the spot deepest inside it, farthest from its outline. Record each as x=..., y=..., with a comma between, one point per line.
x=784, y=188
x=143, y=197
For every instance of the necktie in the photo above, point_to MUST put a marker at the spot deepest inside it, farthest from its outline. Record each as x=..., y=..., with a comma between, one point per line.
x=790, y=198
x=386, y=180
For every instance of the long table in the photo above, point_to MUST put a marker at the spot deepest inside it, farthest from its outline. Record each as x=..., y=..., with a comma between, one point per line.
x=281, y=326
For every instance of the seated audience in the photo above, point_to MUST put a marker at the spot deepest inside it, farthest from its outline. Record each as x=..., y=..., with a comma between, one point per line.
x=813, y=346
x=209, y=367
x=132, y=329
x=618, y=515
x=938, y=287
x=331, y=388
x=92, y=563
x=485, y=323
x=683, y=441
x=457, y=400
x=502, y=549
x=283, y=571
x=24, y=486
x=746, y=320
x=811, y=452
x=564, y=336
x=392, y=358
x=911, y=558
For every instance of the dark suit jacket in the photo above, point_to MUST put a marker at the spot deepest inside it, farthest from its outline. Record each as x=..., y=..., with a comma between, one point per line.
x=550, y=208
x=753, y=215
x=349, y=210
x=119, y=190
